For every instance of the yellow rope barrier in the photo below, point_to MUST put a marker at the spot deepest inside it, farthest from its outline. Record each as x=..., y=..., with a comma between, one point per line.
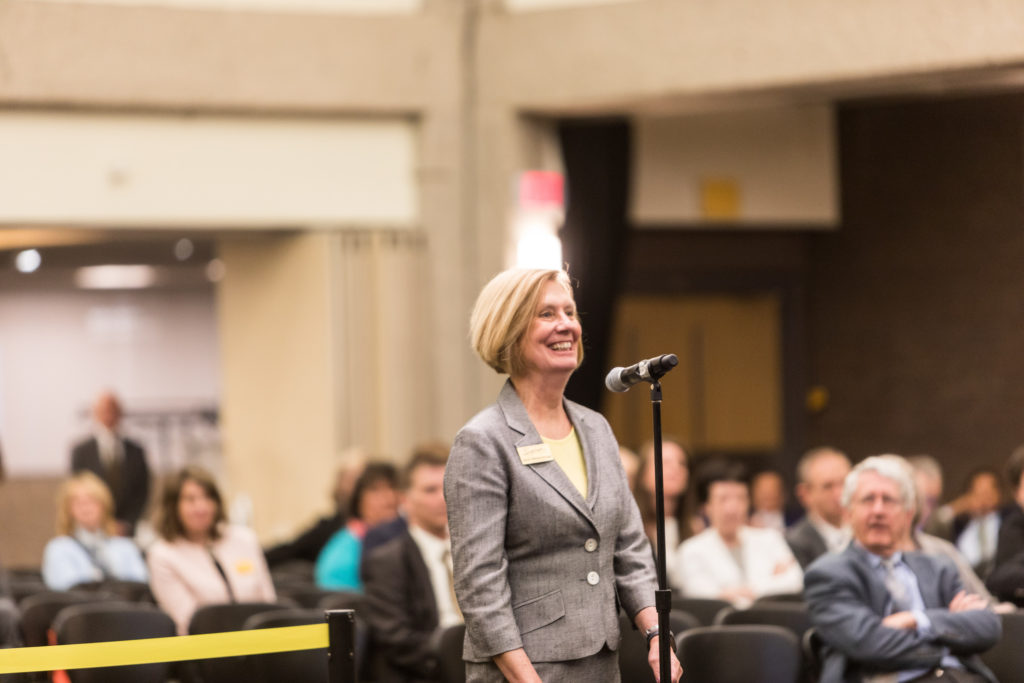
x=151, y=650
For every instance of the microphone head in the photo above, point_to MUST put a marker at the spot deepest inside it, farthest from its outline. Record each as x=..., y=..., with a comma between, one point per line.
x=614, y=381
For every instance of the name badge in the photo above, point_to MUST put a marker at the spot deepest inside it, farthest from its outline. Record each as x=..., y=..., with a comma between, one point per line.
x=531, y=455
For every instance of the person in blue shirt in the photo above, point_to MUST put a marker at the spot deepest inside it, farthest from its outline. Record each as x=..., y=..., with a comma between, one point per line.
x=374, y=501
x=87, y=547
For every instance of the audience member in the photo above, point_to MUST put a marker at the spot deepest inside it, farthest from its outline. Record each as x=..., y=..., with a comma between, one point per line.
x=374, y=501
x=768, y=502
x=382, y=533
x=410, y=597
x=680, y=521
x=820, y=474
x=731, y=560
x=929, y=544
x=119, y=462
x=1006, y=580
x=630, y=462
x=307, y=545
x=934, y=518
x=976, y=530
x=882, y=611
x=87, y=548
x=200, y=559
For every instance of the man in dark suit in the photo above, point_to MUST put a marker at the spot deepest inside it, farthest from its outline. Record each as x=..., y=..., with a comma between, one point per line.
x=1007, y=578
x=887, y=615
x=820, y=474
x=119, y=462
x=407, y=581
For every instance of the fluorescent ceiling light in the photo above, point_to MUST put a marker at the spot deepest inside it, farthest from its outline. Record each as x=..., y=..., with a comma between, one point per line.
x=115, y=277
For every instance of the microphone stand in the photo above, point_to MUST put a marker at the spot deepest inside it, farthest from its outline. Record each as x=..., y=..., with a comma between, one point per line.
x=663, y=596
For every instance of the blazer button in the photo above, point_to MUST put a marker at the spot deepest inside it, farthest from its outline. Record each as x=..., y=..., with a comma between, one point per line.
x=591, y=545
x=593, y=578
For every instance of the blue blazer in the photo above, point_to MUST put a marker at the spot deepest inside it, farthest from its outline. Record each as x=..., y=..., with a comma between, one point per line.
x=538, y=566
x=848, y=600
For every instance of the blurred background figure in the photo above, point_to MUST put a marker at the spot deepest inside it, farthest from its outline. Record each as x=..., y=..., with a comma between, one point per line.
x=374, y=501
x=976, y=529
x=768, y=502
x=731, y=560
x=919, y=540
x=410, y=596
x=307, y=545
x=820, y=475
x=680, y=520
x=119, y=462
x=201, y=559
x=1006, y=579
x=630, y=462
x=87, y=547
x=934, y=518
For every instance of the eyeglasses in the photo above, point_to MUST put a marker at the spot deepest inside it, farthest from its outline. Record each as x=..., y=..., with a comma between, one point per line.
x=871, y=499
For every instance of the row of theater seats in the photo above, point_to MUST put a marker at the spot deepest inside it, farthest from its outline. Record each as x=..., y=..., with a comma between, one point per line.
x=774, y=637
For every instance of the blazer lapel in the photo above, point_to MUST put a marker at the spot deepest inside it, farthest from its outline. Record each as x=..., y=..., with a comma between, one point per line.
x=878, y=594
x=421, y=578
x=927, y=582
x=550, y=471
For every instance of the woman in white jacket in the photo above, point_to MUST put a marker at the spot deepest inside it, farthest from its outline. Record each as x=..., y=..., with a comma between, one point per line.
x=731, y=560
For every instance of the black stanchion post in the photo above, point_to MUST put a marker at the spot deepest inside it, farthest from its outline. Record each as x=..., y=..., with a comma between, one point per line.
x=341, y=652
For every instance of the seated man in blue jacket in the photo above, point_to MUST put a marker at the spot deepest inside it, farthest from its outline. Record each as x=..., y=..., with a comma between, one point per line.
x=887, y=615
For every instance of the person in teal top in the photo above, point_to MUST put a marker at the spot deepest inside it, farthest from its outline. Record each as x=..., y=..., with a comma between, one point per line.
x=374, y=501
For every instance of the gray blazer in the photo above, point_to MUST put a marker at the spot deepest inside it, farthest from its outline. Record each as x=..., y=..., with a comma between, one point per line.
x=536, y=565
x=848, y=600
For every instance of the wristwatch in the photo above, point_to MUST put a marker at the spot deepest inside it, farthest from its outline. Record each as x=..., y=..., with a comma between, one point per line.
x=653, y=631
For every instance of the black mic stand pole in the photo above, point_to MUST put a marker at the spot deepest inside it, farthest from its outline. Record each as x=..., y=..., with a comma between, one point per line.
x=663, y=596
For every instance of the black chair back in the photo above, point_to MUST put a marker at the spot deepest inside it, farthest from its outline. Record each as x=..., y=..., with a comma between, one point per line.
x=1006, y=658
x=340, y=600
x=452, y=668
x=39, y=610
x=105, y=621
x=705, y=609
x=752, y=654
x=219, y=618
x=791, y=615
x=304, y=665
x=129, y=591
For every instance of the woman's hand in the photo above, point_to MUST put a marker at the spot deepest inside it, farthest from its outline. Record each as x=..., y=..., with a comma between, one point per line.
x=654, y=659
x=516, y=667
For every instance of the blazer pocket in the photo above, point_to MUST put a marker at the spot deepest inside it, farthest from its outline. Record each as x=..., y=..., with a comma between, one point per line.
x=540, y=611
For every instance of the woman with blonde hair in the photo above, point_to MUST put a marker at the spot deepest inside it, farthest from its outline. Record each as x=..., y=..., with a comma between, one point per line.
x=87, y=547
x=200, y=559
x=546, y=539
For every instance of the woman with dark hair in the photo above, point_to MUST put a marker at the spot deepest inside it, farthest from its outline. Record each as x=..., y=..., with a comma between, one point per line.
x=731, y=560
x=200, y=559
x=374, y=501
x=547, y=542
x=680, y=521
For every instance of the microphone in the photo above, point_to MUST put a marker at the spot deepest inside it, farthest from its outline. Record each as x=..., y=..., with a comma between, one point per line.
x=650, y=370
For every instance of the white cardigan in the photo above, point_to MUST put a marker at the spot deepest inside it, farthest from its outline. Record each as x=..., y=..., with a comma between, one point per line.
x=704, y=567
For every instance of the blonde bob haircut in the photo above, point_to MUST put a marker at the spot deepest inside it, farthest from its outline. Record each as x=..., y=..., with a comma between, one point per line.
x=503, y=313
x=90, y=484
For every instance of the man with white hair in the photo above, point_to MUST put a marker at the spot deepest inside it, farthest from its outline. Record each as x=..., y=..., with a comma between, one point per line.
x=887, y=615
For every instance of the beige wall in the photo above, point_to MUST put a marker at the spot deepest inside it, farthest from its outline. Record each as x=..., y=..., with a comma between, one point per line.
x=278, y=400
